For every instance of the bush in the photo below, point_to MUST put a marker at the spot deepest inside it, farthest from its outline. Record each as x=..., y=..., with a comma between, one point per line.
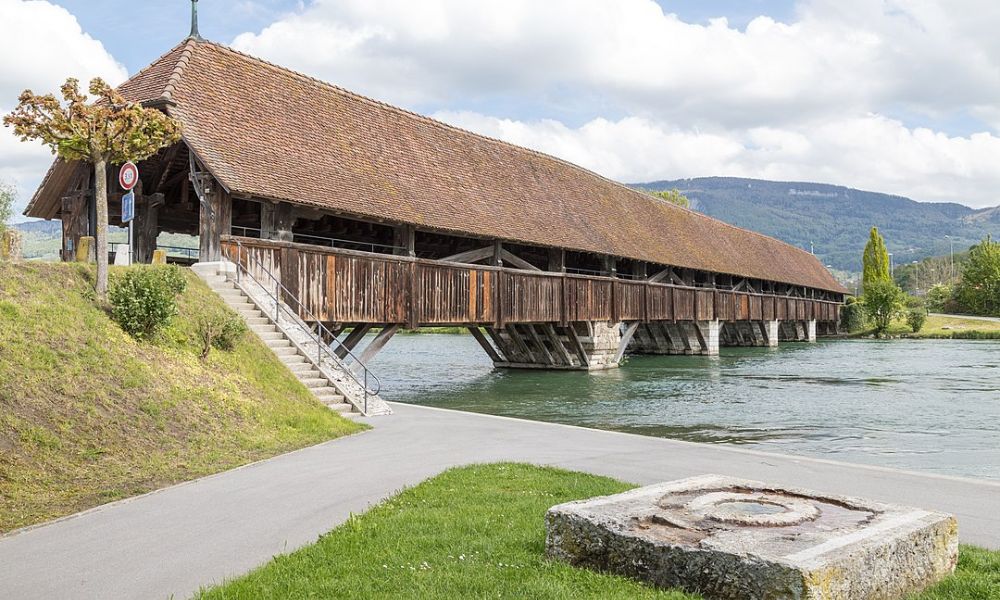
x=938, y=297
x=884, y=301
x=220, y=331
x=852, y=316
x=916, y=319
x=143, y=299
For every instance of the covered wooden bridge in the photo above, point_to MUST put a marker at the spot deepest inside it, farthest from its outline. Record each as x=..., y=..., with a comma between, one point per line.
x=372, y=217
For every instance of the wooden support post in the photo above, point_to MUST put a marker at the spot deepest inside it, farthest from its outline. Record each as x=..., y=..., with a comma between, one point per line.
x=413, y=306
x=574, y=339
x=501, y=345
x=517, y=261
x=146, y=227
x=557, y=260
x=75, y=224
x=486, y=345
x=284, y=220
x=497, y=253
x=404, y=240
x=471, y=256
x=515, y=337
x=626, y=340
x=541, y=345
x=352, y=339
x=383, y=337
x=558, y=344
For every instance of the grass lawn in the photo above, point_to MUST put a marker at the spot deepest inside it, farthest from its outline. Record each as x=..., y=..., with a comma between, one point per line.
x=88, y=415
x=938, y=327
x=478, y=532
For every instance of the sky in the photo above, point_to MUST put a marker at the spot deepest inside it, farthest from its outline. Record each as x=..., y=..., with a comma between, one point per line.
x=896, y=96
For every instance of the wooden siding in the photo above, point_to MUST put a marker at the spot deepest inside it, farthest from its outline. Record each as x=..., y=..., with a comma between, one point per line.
x=343, y=286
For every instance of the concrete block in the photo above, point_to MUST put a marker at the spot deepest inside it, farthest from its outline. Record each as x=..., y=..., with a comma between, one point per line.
x=811, y=330
x=159, y=257
x=11, y=243
x=732, y=539
x=86, y=249
x=771, y=333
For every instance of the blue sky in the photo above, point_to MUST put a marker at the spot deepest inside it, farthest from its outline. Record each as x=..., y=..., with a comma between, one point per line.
x=898, y=96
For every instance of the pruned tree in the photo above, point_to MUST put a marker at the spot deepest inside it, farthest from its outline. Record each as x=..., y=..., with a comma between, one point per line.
x=108, y=131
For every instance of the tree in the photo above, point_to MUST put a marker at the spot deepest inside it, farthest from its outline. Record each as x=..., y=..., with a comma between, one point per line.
x=108, y=131
x=7, y=197
x=875, y=261
x=673, y=196
x=884, y=301
x=979, y=290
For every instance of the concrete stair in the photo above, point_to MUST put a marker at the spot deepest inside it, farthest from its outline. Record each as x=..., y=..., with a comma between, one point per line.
x=262, y=326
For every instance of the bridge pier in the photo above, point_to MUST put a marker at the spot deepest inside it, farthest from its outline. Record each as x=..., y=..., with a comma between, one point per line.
x=581, y=346
x=750, y=333
x=798, y=331
x=680, y=337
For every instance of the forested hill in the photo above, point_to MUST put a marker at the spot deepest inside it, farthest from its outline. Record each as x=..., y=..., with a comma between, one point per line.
x=836, y=219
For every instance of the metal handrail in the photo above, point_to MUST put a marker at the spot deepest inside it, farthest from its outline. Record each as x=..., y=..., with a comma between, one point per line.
x=333, y=242
x=317, y=337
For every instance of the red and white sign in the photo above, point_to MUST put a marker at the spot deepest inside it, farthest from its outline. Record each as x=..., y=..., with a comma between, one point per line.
x=128, y=176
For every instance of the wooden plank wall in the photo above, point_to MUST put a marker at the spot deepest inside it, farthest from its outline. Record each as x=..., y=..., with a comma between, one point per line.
x=354, y=287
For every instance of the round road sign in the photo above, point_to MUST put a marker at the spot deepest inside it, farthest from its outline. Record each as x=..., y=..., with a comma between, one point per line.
x=128, y=176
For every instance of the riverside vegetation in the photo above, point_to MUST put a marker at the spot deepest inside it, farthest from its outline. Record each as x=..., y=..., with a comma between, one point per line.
x=89, y=414
x=478, y=532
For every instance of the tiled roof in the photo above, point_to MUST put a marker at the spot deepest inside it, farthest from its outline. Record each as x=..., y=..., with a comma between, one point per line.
x=269, y=132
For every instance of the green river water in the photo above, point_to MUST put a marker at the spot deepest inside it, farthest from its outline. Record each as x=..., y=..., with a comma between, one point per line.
x=930, y=405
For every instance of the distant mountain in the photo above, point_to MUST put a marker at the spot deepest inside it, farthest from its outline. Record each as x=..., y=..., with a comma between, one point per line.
x=836, y=219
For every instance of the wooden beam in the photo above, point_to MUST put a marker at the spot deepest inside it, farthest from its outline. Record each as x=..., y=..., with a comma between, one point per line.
x=471, y=256
x=515, y=337
x=352, y=339
x=486, y=345
x=626, y=339
x=517, y=261
x=667, y=273
x=538, y=342
x=383, y=337
x=500, y=343
x=550, y=331
x=497, y=254
x=577, y=345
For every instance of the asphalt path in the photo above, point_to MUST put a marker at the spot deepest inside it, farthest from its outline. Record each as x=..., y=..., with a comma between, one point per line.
x=173, y=541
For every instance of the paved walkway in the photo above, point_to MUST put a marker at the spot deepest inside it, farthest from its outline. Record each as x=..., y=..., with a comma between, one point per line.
x=990, y=319
x=170, y=542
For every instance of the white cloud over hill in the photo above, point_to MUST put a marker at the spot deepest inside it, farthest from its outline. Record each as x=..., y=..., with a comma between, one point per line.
x=820, y=98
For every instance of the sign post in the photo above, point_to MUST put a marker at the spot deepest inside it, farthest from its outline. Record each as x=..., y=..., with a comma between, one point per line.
x=128, y=177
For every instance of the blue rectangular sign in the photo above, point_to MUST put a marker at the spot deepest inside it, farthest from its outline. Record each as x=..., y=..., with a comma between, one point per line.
x=128, y=207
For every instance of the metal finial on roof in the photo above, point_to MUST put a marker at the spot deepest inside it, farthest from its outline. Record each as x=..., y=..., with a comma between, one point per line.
x=194, y=20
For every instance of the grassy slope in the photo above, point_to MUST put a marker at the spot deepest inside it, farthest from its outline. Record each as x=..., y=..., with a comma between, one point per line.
x=87, y=415
x=478, y=532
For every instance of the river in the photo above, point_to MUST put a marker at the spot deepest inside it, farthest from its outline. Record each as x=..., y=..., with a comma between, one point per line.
x=929, y=405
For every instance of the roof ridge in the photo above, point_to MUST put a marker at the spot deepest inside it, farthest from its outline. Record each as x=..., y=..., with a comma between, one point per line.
x=175, y=76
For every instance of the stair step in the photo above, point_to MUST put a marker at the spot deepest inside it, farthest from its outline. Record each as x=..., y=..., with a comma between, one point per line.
x=285, y=350
x=253, y=321
x=249, y=313
x=328, y=394
x=342, y=407
x=263, y=328
x=213, y=279
x=279, y=344
x=295, y=359
x=315, y=382
x=271, y=336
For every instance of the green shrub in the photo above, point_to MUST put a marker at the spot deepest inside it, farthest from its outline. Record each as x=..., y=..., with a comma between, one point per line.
x=144, y=299
x=916, y=318
x=220, y=331
x=852, y=316
x=938, y=297
x=884, y=301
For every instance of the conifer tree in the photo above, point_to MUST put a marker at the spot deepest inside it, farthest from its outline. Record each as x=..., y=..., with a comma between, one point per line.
x=875, y=262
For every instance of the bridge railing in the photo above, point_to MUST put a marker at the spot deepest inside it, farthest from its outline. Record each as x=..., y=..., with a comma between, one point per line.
x=345, y=286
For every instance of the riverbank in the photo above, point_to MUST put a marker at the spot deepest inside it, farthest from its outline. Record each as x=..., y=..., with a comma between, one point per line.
x=942, y=327
x=476, y=532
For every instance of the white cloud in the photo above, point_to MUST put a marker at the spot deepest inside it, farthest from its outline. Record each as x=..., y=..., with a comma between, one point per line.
x=868, y=152
x=806, y=99
x=41, y=45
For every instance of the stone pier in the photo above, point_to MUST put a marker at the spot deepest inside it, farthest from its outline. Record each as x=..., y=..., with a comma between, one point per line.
x=680, y=337
x=582, y=346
